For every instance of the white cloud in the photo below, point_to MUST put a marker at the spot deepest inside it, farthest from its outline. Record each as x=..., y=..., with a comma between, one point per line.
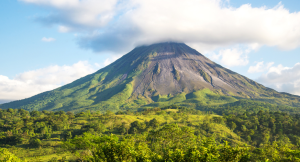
x=48, y=39
x=64, y=29
x=260, y=67
x=278, y=69
x=97, y=65
x=119, y=25
x=37, y=81
x=111, y=59
x=33, y=82
x=283, y=79
x=235, y=56
x=78, y=13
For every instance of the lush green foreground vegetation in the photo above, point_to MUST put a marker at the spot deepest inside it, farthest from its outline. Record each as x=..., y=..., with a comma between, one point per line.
x=170, y=133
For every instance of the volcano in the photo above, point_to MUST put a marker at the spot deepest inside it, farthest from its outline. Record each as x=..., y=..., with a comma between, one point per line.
x=153, y=76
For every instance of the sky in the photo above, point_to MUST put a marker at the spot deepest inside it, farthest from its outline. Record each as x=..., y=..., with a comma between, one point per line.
x=45, y=44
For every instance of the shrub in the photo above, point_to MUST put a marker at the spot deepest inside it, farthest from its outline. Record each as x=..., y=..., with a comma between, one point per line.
x=47, y=136
x=35, y=142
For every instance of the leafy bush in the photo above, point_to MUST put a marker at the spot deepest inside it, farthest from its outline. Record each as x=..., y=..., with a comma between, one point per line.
x=6, y=156
x=35, y=142
x=47, y=136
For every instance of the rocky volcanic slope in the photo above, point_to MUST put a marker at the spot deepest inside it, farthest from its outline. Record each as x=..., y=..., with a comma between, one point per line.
x=155, y=75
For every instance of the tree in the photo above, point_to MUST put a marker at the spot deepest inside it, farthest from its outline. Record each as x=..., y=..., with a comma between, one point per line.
x=47, y=136
x=153, y=123
x=232, y=126
x=35, y=142
x=67, y=135
x=6, y=156
x=136, y=127
x=35, y=113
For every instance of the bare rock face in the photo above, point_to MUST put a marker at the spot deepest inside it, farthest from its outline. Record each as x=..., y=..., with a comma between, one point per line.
x=175, y=67
x=137, y=78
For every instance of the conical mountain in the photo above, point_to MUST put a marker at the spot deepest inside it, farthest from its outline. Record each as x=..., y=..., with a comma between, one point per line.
x=154, y=75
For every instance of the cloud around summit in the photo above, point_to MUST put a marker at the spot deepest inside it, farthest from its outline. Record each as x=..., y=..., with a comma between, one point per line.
x=118, y=26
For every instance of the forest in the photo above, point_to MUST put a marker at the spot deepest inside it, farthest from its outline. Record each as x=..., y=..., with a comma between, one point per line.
x=171, y=133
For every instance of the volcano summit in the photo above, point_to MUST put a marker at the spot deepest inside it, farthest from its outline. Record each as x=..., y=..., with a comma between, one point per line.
x=153, y=76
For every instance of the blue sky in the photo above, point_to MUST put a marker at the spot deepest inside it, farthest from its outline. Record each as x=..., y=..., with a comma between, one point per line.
x=48, y=43
x=21, y=45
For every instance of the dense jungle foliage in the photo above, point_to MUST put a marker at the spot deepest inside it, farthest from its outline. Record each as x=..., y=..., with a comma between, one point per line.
x=171, y=133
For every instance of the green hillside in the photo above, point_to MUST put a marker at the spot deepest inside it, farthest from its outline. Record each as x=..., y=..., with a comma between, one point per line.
x=155, y=76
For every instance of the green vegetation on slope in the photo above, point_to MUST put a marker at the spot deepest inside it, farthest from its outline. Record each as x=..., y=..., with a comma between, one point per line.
x=250, y=106
x=205, y=76
x=112, y=88
x=176, y=74
x=157, y=69
x=142, y=78
x=156, y=134
x=102, y=90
